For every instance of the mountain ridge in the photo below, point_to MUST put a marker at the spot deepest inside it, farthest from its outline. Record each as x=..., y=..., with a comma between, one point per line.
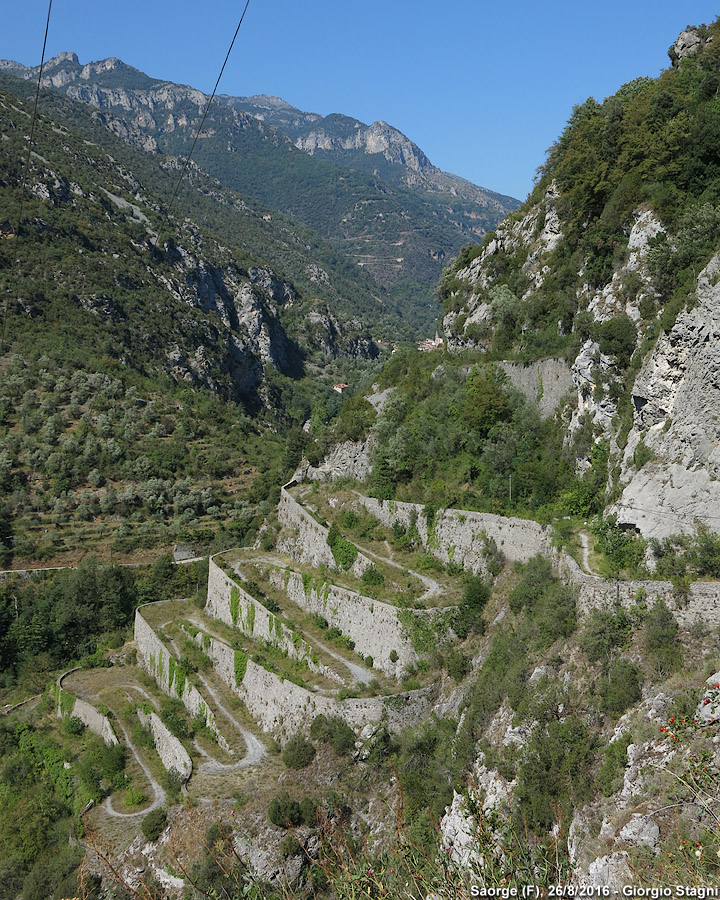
x=398, y=224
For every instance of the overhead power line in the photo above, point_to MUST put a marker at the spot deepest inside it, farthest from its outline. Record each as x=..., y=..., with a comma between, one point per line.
x=202, y=121
x=27, y=169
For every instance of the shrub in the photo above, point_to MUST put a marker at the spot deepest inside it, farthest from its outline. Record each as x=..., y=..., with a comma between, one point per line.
x=344, y=552
x=298, y=753
x=536, y=578
x=308, y=812
x=134, y=797
x=290, y=846
x=604, y=631
x=372, y=577
x=284, y=811
x=476, y=592
x=74, y=725
x=334, y=731
x=173, y=715
x=617, y=338
x=621, y=688
x=553, y=775
x=642, y=455
x=457, y=665
x=661, y=636
x=153, y=824
x=609, y=777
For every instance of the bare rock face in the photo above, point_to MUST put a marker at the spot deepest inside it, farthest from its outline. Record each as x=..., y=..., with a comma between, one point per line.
x=688, y=44
x=589, y=367
x=325, y=332
x=376, y=138
x=676, y=401
x=540, y=230
x=349, y=458
x=611, y=871
x=641, y=831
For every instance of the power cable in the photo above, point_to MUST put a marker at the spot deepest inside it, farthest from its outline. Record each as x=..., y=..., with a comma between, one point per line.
x=27, y=169
x=202, y=123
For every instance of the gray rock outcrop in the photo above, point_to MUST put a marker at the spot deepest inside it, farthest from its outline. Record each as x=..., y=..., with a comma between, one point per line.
x=348, y=458
x=676, y=400
x=546, y=382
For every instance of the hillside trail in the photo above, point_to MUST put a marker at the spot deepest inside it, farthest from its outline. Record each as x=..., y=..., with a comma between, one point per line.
x=433, y=589
x=586, y=552
x=160, y=795
x=359, y=673
x=255, y=750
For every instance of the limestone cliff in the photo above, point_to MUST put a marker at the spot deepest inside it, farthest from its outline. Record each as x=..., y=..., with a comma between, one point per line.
x=601, y=268
x=676, y=414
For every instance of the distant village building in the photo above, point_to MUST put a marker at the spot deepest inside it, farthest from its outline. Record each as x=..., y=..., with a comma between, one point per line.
x=340, y=387
x=430, y=344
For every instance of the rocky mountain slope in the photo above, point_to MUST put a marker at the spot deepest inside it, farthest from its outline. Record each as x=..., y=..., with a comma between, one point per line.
x=293, y=270
x=399, y=221
x=611, y=264
x=349, y=141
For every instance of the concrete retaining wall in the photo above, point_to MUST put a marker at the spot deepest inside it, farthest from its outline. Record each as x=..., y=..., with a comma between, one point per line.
x=157, y=660
x=256, y=621
x=281, y=707
x=173, y=755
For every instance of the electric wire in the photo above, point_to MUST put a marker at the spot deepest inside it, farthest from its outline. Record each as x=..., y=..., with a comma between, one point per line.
x=202, y=123
x=27, y=169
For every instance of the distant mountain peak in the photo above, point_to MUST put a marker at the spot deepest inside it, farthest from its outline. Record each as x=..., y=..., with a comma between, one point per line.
x=63, y=56
x=269, y=100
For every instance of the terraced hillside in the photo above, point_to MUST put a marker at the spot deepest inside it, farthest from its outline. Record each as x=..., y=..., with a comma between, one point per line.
x=429, y=649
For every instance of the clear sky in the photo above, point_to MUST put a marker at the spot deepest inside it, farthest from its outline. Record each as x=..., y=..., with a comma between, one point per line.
x=484, y=88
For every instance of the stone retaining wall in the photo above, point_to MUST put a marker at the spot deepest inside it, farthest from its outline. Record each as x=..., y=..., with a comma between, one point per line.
x=281, y=707
x=700, y=606
x=91, y=717
x=546, y=382
x=458, y=534
x=374, y=626
x=173, y=755
x=228, y=601
x=157, y=660
x=461, y=536
x=307, y=538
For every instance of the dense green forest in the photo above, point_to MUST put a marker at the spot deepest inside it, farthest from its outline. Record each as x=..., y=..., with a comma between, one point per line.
x=652, y=145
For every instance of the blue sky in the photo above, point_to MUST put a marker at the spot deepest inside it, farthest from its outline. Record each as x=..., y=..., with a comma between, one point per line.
x=484, y=88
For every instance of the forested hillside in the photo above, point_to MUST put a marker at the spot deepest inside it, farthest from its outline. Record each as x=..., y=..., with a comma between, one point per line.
x=459, y=625
x=144, y=360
